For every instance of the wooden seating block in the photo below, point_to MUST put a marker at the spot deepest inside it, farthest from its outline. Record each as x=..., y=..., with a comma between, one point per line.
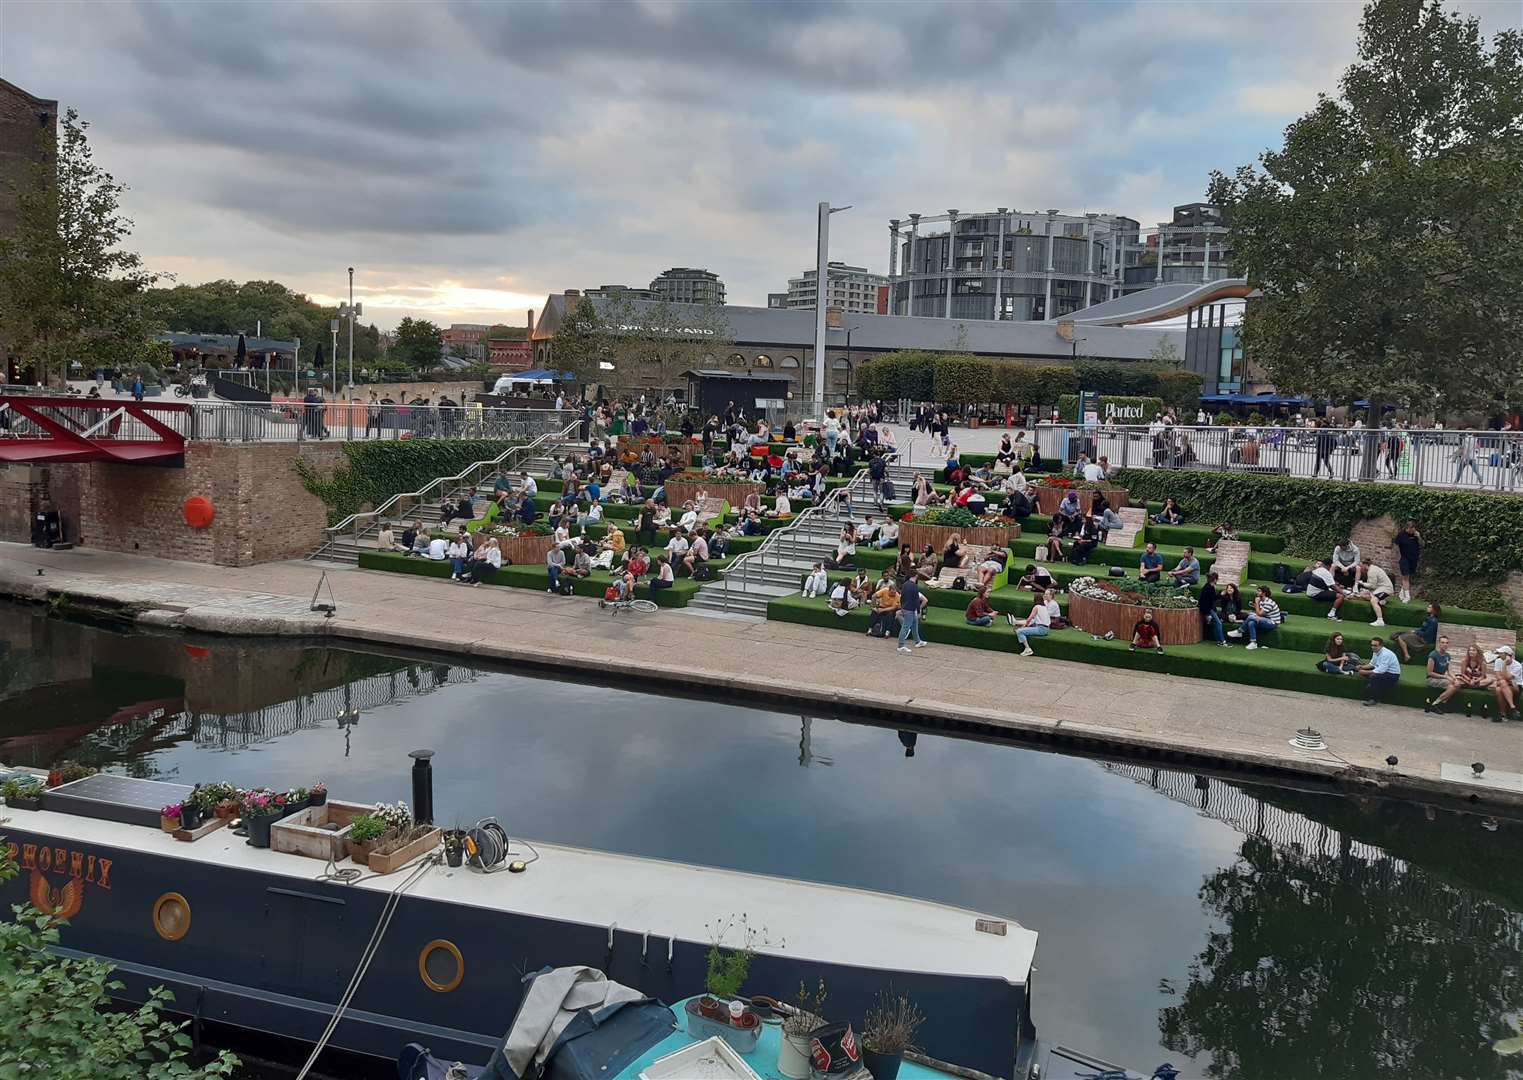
x=1136, y=520
x=1231, y=560
x=1462, y=636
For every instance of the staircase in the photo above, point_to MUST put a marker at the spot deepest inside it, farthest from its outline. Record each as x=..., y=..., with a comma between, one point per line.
x=357, y=532
x=780, y=565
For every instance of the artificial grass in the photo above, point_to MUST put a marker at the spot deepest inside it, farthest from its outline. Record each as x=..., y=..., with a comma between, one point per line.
x=535, y=576
x=1282, y=669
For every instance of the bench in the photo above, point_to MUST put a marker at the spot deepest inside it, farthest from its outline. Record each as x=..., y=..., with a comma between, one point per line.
x=1231, y=560
x=972, y=557
x=1136, y=521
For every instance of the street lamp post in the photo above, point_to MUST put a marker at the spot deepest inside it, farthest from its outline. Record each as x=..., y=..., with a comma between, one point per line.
x=850, y=367
x=333, y=325
x=351, y=330
x=821, y=281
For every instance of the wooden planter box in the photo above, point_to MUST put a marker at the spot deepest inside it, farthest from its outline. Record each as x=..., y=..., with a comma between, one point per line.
x=522, y=550
x=679, y=492
x=306, y=832
x=915, y=537
x=680, y=455
x=385, y=864
x=1176, y=626
x=1047, y=498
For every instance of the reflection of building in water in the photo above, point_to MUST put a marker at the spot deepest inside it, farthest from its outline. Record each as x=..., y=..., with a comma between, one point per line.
x=1294, y=833
x=322, y=708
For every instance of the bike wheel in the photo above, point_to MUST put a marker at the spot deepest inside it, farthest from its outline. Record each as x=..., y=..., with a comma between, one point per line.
x=643, y=605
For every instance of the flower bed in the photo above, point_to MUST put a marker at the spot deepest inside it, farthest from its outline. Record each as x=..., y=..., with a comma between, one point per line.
x=915, y=533
x=1050, y=491
x=1115, y=605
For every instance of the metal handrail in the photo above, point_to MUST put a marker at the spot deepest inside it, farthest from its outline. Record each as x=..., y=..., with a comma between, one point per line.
x=351, y=522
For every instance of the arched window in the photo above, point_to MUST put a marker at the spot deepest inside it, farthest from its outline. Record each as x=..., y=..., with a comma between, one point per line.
x=708, y=359
x=840, y=363
x=737, y=360
x=790, y=361
x=763, y=360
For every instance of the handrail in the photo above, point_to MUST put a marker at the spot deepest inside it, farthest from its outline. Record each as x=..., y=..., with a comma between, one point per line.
x=421, y=494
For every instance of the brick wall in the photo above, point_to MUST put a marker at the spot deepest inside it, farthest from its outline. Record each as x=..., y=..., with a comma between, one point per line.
x=27, y=489
x=1374, y=536
x=262, y=511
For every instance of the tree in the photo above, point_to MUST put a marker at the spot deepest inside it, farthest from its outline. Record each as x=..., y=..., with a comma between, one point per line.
x=1384, y=233
x=419, y=343
x=1165, y=352
x=580, y=342
x=226, y=307
x=57, y=1021
x=69, y=291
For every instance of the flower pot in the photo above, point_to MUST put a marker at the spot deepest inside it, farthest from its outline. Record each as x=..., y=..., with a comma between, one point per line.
x=24, y=802
x=359, y=850
x=317, y=798
x=259, y=829
x=168, y=824
x=190, y=817
x=882, y=1066
x=226, y=808
x=793, y=1057
x=292, y=807
x=742, y=1036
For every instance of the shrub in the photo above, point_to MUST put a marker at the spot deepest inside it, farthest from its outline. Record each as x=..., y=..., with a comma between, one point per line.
x=952, y=517
x=367, y=827
x=1068, y=407
x=964, y=380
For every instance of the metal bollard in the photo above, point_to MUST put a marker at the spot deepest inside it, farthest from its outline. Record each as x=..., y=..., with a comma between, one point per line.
x=422, y=787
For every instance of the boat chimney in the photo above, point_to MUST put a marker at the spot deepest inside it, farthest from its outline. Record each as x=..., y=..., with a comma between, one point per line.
x=422, y=787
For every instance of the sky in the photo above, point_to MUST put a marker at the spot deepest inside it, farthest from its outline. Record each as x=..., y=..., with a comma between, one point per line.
x=468, y=158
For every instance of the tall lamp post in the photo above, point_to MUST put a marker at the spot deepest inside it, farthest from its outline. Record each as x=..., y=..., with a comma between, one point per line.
x=351, y=330
x=821, y=281
x=851, y=368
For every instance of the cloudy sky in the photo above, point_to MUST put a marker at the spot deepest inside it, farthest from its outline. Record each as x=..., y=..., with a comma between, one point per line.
x=469, y=158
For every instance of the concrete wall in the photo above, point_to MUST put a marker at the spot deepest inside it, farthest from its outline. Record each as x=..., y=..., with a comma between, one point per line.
x=262, y=510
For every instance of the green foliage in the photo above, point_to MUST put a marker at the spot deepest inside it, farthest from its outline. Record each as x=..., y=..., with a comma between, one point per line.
x=375, y=471
x=21, y=788
x=1068, y=408
x=951, y=517
x=964, y=380
x=1126, y=380
x=227, y=307
x=908, y=373
x=1179, y=389
x=367, y=827
x=1483, y=533
x=419, y=343
x=728, y=966
x=57, y=1021
x=68, y=290
x=1383, y=233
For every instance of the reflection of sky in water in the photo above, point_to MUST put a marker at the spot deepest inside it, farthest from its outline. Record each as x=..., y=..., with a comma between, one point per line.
x=1105, y=870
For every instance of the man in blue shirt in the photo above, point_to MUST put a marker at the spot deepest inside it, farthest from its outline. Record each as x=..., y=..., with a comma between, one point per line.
x=911, y=603
x=1380, y=673
x=1151, y=564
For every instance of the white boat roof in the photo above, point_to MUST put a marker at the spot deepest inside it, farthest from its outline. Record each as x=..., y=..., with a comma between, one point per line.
x=824, y=923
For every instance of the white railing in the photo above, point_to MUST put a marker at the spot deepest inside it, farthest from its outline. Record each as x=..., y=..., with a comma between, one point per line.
x=358, y=525
x=1472, y=460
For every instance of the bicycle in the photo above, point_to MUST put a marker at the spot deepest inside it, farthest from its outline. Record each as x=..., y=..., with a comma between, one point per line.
x=616, y=606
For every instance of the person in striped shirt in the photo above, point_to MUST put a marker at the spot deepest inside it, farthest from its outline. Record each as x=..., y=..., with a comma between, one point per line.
x=1264, y=619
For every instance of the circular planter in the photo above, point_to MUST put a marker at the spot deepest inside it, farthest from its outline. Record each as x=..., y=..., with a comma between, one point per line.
x=681, y=455
x=1176, y=626
x=1047, y=498
x=522, y=550
x=679, y=492
x=914, y=536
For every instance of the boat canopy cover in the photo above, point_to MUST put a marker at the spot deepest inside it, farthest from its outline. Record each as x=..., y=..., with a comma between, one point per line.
x=577, y=1024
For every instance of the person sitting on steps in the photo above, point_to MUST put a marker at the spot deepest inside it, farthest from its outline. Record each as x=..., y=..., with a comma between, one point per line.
x=979, y=612
x=1381, y=673
x=1374, y=586
x=1146, y=634
x=1337, y=659
x=1471, y=674
x=1506, y=679
x=1263, y=620
x=1424, y=637
x=1150, y=565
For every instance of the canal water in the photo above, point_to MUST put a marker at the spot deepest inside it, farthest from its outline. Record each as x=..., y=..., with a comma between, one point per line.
x=1239, y=931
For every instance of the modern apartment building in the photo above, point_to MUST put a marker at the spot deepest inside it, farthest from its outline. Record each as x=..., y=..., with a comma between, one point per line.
x=853, y=289
x=1006, y=265
x=686, y=285
x=1015, y=265
x=628, y=292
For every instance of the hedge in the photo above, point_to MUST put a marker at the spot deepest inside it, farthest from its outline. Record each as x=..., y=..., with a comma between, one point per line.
x=966, y=379
x=1482, y=533
x=1068, y=407
x=1282, y=669
x=375, y=471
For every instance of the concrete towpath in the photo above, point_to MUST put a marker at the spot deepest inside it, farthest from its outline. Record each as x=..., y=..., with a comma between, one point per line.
x=1062, y=703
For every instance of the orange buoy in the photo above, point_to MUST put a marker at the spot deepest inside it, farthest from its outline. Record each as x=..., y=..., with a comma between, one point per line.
x=199, y=512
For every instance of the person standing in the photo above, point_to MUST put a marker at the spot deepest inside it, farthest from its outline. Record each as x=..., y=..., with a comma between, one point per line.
x=1326, y=441
x=1464, y=458
x=1409, y=546
x=1210, y=621
x=912, y=603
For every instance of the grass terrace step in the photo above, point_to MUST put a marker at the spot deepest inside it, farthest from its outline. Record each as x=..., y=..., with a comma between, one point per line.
x=534, y=576
x=1282, y=669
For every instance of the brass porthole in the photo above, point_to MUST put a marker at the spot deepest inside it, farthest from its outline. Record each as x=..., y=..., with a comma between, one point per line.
x=171, y=916
x=440, y=966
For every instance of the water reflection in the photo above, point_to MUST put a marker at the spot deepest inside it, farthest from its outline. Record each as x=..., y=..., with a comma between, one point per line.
x=1261, y=932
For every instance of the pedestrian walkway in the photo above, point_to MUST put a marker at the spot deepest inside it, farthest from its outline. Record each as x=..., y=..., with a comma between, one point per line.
x=1103, y=709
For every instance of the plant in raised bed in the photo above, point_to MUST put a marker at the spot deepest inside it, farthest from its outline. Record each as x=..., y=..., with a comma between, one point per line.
x=22, y=793
x=261, y=808
x=169, y=816
x=952, y=517
x=69, y=771
x=721, y=1010
x=1133, y=591
x=888, y=1032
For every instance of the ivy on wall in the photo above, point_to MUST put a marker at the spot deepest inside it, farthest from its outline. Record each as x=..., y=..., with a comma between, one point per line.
x=1470, y=540
x=375, y=471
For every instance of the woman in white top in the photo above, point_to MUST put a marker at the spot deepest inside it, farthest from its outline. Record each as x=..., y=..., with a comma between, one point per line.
x=458, y=551
x=487, y=562
x=1039, y=622
x=923, y=490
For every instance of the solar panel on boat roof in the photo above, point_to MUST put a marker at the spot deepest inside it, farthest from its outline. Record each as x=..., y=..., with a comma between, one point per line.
x=110, y=797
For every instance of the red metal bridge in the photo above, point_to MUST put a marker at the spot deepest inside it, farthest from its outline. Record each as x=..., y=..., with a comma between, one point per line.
x=40, y=429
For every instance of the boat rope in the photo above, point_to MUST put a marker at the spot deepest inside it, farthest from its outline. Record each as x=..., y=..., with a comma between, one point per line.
x=393, y=901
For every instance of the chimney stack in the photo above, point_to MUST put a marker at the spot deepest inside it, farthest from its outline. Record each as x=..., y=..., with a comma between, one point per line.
x=833, y=318
x=531, y=323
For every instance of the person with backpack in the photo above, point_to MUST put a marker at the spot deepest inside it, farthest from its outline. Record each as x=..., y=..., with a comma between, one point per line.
x=877, y=471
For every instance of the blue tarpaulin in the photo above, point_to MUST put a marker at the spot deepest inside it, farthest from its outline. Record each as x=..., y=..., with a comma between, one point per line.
x=1254, y=399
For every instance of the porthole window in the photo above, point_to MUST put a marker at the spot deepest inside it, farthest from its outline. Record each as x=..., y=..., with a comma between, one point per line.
x=171, y=916
x=440, y=966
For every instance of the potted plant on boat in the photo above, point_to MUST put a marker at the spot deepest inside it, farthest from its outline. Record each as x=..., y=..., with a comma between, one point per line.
x=261, y=808
x=319, y=794
x=888, y=1033
x=191, y=811
x=808, y=1015
x=365, y=833
x=721, y=1011
x=69, y=771
x=23, y=793
x=169, y=816
x=207, y=798
x=454, y=846
x=297, y=799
